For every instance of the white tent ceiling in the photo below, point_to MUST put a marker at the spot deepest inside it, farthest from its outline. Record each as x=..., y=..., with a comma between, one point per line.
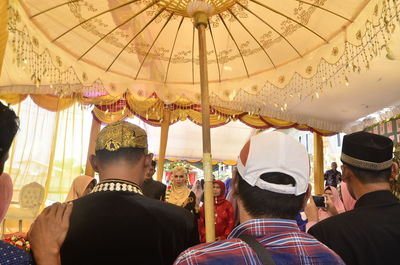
x=367, y=93
x=185, y=142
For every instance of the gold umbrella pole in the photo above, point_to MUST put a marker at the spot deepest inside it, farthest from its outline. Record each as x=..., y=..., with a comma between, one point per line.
x=200, y=20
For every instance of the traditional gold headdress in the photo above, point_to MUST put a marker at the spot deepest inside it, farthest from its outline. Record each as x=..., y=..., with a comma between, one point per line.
x=121, y=134
x=179, y=169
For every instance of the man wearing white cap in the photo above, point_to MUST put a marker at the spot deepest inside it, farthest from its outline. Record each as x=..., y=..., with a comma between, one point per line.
x=271, y=187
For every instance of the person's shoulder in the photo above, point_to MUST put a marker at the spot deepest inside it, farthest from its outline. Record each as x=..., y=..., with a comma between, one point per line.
x=160, y=184
x=337, y=222
x=316, y=251
x=213, y=250
x=165, y=208
x=15, y=254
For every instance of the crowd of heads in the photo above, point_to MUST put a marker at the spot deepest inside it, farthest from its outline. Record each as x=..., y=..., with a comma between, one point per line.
x=272, y=177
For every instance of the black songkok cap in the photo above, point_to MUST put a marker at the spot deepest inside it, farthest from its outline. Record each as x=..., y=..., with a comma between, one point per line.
x=367, y=151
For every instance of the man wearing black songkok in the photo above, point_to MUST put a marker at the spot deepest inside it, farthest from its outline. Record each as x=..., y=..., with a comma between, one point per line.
x=369, y=234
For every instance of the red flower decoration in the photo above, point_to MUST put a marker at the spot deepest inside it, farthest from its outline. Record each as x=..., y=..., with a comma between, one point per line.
x=18, y=241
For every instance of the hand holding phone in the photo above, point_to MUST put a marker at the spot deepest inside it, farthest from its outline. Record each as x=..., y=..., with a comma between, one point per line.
x=320, y=201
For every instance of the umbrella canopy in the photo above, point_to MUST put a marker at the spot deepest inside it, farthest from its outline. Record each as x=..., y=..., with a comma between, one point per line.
x=266, y=57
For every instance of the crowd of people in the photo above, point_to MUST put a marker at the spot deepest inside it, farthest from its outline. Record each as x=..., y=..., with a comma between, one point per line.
x=129, y=218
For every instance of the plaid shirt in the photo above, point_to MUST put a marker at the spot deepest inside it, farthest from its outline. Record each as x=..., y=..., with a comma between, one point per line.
x=282, y=238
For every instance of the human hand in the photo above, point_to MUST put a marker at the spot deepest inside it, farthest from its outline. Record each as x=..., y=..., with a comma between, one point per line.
x=48, y=232
x=330, y=206
x=311, y=211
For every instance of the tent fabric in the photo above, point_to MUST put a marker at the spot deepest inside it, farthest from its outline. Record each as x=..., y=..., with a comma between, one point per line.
x=34, y=64
x=111, y=109
x=304, y=60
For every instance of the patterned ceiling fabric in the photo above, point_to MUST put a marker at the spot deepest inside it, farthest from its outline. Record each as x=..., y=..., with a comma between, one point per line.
x=264, y=57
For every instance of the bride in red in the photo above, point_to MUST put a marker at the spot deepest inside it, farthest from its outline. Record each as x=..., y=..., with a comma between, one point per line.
x=224, y=215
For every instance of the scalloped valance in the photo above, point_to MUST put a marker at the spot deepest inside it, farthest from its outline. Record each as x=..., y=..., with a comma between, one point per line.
x=108, y=109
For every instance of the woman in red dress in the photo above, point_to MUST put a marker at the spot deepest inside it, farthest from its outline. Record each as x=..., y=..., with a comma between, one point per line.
x=224, y=215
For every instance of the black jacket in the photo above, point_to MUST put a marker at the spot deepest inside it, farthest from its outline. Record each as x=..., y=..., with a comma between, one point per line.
x=369, y=234
x=154, y=189
x=122, y=227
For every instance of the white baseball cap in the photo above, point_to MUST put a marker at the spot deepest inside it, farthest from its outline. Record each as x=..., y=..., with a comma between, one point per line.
x=275, y=152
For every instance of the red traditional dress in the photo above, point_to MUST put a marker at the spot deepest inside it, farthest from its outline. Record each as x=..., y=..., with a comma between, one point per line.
x=224, y=216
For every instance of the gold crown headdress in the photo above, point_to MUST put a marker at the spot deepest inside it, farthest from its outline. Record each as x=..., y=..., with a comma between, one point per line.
x=121, y=134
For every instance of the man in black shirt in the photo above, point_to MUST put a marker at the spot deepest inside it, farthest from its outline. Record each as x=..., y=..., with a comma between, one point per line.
x=369, y=234
x=152, y=188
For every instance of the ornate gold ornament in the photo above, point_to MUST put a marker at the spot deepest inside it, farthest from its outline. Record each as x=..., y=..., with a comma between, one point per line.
x=121, y=134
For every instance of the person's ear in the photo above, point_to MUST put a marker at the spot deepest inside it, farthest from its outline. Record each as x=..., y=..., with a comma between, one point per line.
x=394, y=171
x=94, y=162
x=347, y=173
x=307, y=196
x=148, y=159
x=235, y=183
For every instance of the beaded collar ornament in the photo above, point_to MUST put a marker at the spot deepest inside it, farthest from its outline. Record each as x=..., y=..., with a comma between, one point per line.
x=117, y=185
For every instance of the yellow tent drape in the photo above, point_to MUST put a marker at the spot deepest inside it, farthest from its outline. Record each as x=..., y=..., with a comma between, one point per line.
x=151, y=111
x=53, y=103
x=13, y=99
x=110, y=117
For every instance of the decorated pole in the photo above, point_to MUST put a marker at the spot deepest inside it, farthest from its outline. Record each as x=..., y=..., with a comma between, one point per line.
x=163, y=143
x=200, y=11
x=318, y=164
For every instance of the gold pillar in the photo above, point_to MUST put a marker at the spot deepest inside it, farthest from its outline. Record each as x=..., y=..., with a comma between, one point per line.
x=201, y=24
x=92, y=144
x=318, y=164
x=163, y=143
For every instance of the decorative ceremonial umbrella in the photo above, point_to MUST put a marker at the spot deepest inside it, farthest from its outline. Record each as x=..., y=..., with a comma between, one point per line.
x=261, y=56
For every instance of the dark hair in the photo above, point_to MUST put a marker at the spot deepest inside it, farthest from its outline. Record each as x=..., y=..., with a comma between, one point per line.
x=9, y=124
x=370, y=176
x=328, y=188
x=261, y=203
x=154, y=163
x=129, y=154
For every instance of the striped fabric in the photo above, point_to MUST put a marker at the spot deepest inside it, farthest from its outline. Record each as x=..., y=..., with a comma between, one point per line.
x=282, y=238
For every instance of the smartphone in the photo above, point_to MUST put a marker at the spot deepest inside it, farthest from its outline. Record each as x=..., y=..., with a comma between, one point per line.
x=320, y=201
